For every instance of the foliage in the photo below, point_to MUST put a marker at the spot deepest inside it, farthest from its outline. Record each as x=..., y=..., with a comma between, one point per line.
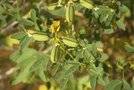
x=56, y=45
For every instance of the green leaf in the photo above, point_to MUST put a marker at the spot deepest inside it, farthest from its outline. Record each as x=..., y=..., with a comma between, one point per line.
x=77, y=7
x=71, y=84
x=63, y=83
x=87, y=4
x=118, y=87
x=113, y=84
x=14, y=56
x=41, y=74
x=71, y=70
x=16, y=14
x=101, y=81
x=52, y=6
x=129, y=48
x=25, y=42
x=109, y=19
x=93, y=81
x=120, y=24
x=55, y=69
x=23, y=74
x=126, y=85
x=84, y=79
x=106, y=79
x=104, y=57
x=26, y=61
x=94, y=50
x=27, y=22
x=33, y=15
x=18, y=35
x=42, y=60
x=2, y=9
x=124, y=9
x=109, y=31
x=60, y=75
x=104, y=16
x=58, y=12
x=96, y=70
x=19, y=56
x=73, y=62
x=31, y=78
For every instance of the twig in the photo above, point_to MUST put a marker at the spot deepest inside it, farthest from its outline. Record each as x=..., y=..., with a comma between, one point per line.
x=7, y=73
x=9, y=27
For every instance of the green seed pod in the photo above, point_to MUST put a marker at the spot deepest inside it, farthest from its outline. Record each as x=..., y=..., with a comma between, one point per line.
x=70, y=13
x=40, y=37
x=67, y=14
x=70, y=41
x=86, y=4
x=55, y=54
x=52, y=57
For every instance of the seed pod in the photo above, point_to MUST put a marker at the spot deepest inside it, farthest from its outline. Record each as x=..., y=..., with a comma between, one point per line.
x=70, y=41
x=40, y=37
x=70, y=13
x=86, y=4
x=55, y=54
x=67, y=14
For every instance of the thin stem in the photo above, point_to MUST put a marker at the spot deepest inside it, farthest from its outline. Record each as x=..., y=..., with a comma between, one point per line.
x=73, y=32
x=123, y=77
x=68, y=53
x=18, y=10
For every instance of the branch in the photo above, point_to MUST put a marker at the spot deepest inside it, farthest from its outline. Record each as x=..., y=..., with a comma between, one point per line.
x=7, y=73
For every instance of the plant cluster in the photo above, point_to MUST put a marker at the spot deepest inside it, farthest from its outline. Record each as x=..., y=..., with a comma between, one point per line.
x=60, y=39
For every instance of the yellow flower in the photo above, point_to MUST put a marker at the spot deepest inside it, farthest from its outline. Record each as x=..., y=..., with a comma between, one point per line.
x=11, y=41
x=55, y=27
x=42, y=87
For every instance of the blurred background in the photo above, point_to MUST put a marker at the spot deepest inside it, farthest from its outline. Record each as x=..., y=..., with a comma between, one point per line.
x=113, y=44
